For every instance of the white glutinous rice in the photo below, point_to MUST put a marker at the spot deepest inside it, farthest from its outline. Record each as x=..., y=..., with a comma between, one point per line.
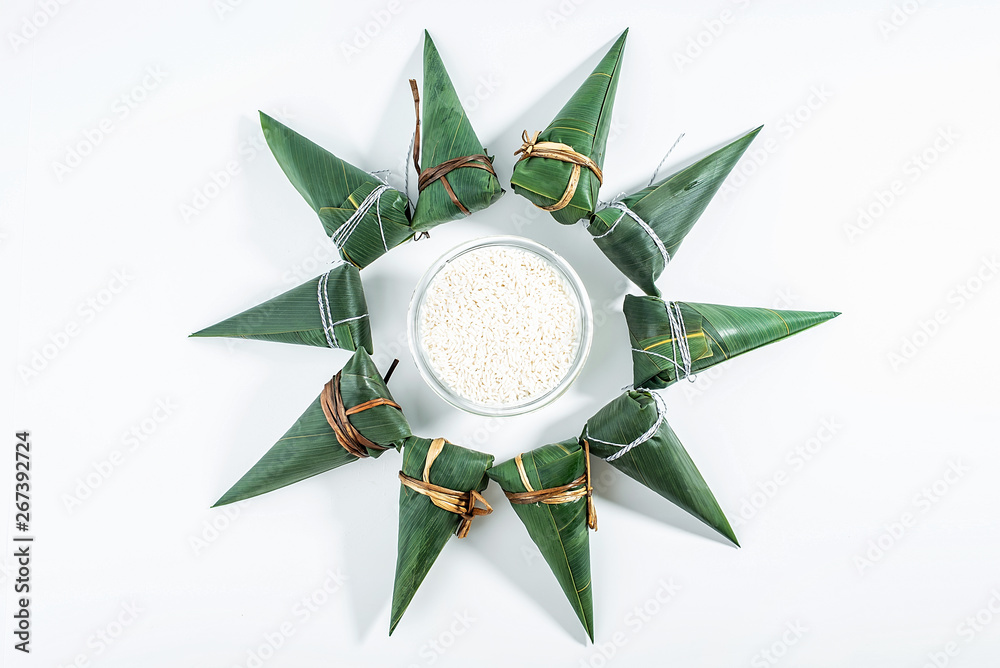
x=500, y=325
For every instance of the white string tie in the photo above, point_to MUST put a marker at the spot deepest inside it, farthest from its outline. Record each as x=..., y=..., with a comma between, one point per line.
x=669, y=151
x=661, y=416
x=325, y=313
x=344, y=232
x=678, y=344
x=621, y=206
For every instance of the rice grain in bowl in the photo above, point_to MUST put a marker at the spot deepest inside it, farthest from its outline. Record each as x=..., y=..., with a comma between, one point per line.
x=500, y=326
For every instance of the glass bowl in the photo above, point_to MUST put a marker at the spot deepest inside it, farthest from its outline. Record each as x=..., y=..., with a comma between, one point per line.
x=585, y=327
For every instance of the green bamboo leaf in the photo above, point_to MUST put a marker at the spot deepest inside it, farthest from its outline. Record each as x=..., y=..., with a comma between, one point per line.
x=294, y=316
x=583, y=123
x=423, y=527
x=560, y=531
x=446, y=134
x=311, y=447
x=659, y=462
x=714, y=333
x=335, y=189
x=670, y=208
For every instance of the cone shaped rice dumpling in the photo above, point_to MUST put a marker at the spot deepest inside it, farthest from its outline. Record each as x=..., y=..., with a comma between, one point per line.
x=439, y=496
x=672, y=340
x=354, y=417
x=642, y=232
x=559, y=169
x=631, y=433
x=551, y=493
x=364, y=217
x=329, y=311
x=457, y=176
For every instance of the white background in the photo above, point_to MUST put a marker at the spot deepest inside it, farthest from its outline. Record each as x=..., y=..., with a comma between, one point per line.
x=850, y=96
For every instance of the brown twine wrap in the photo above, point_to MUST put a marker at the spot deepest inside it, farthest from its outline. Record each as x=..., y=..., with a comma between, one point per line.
x=460, y=503
x=438, y=173
x=574, y=491
x=336, y=414
x=532, y=148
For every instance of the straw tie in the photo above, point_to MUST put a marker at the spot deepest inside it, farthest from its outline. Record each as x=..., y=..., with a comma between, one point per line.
x=553, y=496
x=532, y=148
x=439, y=172
x=459, y=503
x=336, y=414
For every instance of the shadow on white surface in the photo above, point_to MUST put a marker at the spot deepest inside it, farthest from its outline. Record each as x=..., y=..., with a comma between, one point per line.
x=367, y=507
x=504, y=542
x=628, y=493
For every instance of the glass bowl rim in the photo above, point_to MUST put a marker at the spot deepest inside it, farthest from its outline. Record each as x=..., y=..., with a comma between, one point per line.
x=532, y=403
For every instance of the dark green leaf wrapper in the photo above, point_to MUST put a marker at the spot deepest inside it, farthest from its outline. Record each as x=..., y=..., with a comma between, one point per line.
x=423, y=527
x=660, y=463
x=583, y=123
x=294, y=316
x=334, y=189
x=670, y=207
x=311, y=447
x=714, y=333
x=559, y=530
x=446, y=134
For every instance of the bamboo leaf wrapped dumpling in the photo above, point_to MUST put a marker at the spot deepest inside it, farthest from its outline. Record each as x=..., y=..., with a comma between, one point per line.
x=457, y=177
x=673, y=340
x=641, y=232
x=354, y=417
x=439, y=496
x=363, y=216
x=329, y=311
x=631, y=433
x=559, y=169
x=550, y=490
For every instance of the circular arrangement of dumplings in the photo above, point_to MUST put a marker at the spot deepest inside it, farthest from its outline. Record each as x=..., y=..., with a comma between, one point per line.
x=441, y=483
